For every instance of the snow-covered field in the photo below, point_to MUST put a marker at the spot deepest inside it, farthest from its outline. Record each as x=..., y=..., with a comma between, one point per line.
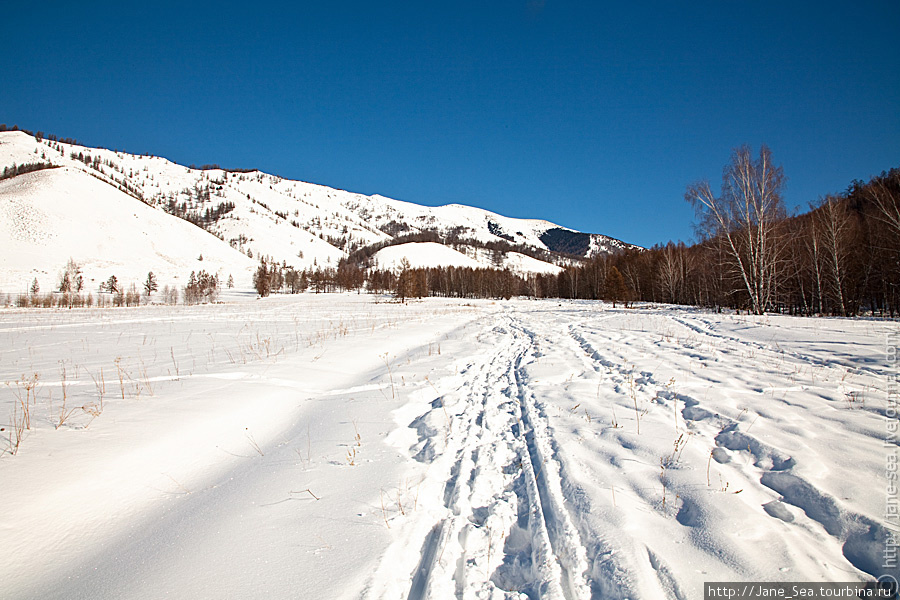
x=344, y=446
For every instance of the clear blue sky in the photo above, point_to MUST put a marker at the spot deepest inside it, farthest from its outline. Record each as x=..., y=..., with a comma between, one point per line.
x=590, y=114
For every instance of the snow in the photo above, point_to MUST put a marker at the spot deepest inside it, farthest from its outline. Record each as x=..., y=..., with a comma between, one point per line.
x=50, y=216
x=257, y=197
x=521, y=263
x=431, y=254
x=422, y=255
x=345, y=446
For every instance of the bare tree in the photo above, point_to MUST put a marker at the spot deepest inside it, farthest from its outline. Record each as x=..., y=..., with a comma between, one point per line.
x=812, y=237
x=262, y=280
x=671, y=272
x=882, y=191
x=404, y=280
x=833, y=223
x=616, y=290
x=745, y=215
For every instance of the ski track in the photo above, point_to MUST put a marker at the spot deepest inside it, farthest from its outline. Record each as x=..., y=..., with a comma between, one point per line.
x=518, y=521
x=506, y=531
x=544, y=454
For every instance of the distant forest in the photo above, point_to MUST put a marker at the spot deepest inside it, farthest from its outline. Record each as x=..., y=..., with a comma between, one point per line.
x=840, y=258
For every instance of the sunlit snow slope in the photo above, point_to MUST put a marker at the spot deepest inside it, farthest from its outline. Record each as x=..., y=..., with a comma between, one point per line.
x=257, y=214
x=48, y=216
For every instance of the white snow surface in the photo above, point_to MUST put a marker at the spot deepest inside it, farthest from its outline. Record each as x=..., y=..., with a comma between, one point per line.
x=522, y=263
x=346, y=446
x=422, y=255
x=431, y=254
x=50, y=216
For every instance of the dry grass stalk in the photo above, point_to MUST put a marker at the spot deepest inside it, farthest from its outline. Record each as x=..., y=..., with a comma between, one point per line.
x=306, y=491
x=25, y=403
x=121, y=373
x=253, y=442
x=384, y=511
x=387, y=363
x=100, y=385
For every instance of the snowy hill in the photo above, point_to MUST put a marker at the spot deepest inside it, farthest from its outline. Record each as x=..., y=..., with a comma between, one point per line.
x=431, y=254
x=50, y=216
x=252, y=214
x=422, y=255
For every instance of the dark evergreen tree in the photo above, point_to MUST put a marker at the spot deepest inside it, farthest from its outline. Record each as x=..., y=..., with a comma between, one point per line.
x=615, y=289
x=150, y=284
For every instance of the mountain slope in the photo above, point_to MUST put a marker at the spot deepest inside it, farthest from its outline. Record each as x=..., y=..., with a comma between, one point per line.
x=259, y=215
x=52, y=215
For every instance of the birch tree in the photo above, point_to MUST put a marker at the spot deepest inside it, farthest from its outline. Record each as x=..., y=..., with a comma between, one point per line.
x=833, y=221
x=883, y=193
x=745, y=216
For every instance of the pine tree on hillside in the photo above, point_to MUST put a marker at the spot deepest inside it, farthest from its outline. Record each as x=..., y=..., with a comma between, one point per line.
x=150, y=284
x=72, y=276
x=65, y=283
x=262, y=280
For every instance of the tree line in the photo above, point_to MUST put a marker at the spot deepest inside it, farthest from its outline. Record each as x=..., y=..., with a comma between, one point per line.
x=15, y=170
x=408, y=282
x=201, y=287
x=842, y=257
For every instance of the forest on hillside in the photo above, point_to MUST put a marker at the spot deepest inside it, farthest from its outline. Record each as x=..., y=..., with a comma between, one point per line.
x=842, y=257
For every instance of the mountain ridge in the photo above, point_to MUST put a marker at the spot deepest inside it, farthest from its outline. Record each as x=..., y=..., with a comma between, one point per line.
x=302, y=224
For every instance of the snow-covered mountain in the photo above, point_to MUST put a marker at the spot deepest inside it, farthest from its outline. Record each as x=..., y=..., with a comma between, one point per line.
x=50, y=216
x=81, y=210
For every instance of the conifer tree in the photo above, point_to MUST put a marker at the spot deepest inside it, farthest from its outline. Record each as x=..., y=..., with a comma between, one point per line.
x=615, y=287
x=150, y=284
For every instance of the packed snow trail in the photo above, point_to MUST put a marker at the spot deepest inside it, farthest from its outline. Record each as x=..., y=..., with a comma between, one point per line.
x=577, y=460
x=339, y=447
x=503, y=526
